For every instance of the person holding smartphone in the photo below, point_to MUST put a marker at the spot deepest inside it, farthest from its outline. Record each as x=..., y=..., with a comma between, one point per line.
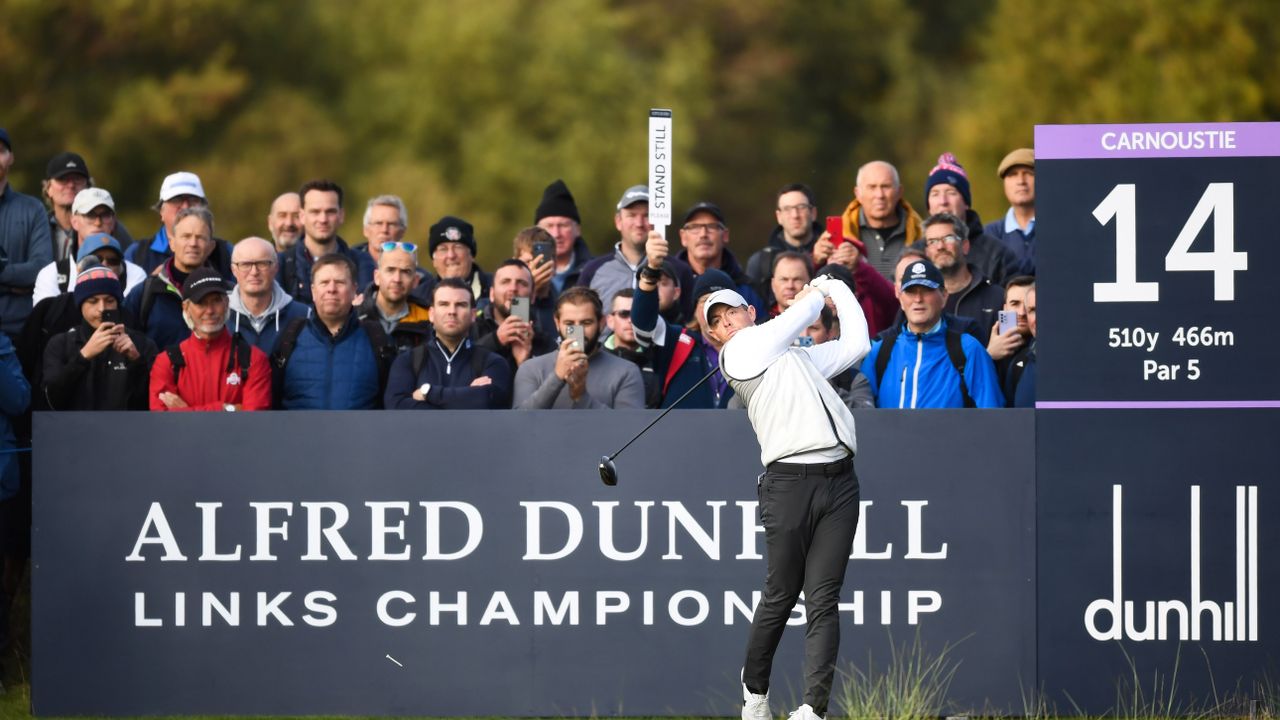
x=99, y=364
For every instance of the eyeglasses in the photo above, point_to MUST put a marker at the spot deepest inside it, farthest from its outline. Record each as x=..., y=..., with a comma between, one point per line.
x=111, y=260
x=99, y=216
x=186, y=201
x=695, y=228
x=254, y=265
x=953, y=239
x=624, y=314
x=797, y=208
x=399, y=245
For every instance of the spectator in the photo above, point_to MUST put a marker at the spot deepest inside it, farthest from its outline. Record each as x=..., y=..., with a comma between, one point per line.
x=671, y=290
x=622, y=342
x=387, y=220
x=1018, y=228
x=925, y=362
x=1003, y=347
x=65, y=177
x=178, y=192
x=92, y=213
x=212, y=369
x=498, y=331
x=558, y=215
x=680, y=356
x=705, y=237
x=157, y=304
x=792, y=270
x=389, y=298
x=322, y=215
x=908, y=258
x=15, y=398
x=879, y=218
x=851, y=385
x=284, y=221
x=542, y=269
x=578, y=377
x=1020, y=383
x=969, y=293
x=608, y=274
x=25, y=246
x=332, y=360
x=260, y=308
x=797, y=230
x=450, y=372
x=99, y=364
x=874, y=293
x=947, y=190
x=452, y=242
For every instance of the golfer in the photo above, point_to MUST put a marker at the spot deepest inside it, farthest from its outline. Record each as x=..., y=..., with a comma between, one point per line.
x=808, y=492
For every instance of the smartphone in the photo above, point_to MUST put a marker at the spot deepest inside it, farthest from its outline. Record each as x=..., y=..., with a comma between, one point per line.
x=520, y=308
x=835, y=228
x=577, y=334
x=111, y=316
x=545, y=249
x=1008, y=321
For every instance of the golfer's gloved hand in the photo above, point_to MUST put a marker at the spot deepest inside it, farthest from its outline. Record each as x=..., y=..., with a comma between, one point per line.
x=822, y=284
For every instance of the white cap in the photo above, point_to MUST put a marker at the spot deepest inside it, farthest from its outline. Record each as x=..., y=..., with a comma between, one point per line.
x=181, y=183
x=90, y=198
x=722, y=297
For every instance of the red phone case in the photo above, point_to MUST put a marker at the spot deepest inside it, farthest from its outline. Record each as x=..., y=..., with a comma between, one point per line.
x=835, y=227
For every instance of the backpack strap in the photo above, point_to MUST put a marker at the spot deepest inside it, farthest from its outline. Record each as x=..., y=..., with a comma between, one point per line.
x=176, y=361
x=886, y=349
x=149, y=292
x=287, y=342
x=418, y=359
x=239, y=357
x=63, y=272
x=384, y=349
x=958, y=359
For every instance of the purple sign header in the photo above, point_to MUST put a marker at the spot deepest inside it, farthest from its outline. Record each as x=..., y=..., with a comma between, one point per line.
x=1067, y=142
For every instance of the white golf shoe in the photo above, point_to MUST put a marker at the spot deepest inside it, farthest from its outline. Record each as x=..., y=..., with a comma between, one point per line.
x=755, y=707
x=804, y=712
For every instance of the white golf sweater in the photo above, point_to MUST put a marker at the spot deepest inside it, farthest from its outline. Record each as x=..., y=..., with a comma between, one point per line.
x=796, y=413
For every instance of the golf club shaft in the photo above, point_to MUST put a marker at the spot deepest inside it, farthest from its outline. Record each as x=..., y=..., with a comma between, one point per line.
x=673, y=405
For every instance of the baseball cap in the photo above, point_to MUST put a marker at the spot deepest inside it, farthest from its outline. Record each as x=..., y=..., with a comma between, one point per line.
x=705, y=206
x=711, y=281
x=96, y=242
x=65, y=163
x=921, y=272
x=181, y=183
x=1021, y=156
x=670, y=271
x=201, y=282
x=90, y=198
x=722, y=297
x=633, y=195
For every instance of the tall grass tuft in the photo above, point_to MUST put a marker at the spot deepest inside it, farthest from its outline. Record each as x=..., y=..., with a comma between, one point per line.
x=913, y=685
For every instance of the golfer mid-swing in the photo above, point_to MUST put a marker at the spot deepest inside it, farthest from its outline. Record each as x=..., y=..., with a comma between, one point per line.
x=808, y=492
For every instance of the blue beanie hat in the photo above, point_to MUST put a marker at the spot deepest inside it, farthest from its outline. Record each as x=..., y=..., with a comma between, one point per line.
x=97, y=280
x=948, y=171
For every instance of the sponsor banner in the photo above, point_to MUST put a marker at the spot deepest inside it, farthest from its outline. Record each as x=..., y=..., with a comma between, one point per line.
x=1154, y=528
x=471, y=563
x=1162, y=140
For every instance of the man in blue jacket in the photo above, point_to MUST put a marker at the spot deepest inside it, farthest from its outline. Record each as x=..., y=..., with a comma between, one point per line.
x=330, y=361
x=448, y=371
x=927, y=363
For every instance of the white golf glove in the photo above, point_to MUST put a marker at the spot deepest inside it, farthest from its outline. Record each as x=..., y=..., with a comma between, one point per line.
x=822, y=284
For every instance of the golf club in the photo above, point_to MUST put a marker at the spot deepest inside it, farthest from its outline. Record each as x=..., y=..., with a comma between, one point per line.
x=609, y=473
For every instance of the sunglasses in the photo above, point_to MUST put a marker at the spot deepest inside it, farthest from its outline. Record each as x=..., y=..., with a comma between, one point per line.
x=394, y=245
x=624, y=314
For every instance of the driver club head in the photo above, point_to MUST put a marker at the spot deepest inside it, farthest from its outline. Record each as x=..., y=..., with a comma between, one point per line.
x=608, y=473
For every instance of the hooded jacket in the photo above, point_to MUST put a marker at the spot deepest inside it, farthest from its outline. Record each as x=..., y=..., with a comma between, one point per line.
x=262, y=330
x=108, y=381
x=205, y=383
x=920, y=373
x=882, y=252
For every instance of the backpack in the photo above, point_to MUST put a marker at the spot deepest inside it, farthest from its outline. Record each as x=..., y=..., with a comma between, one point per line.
x=954, y=350
x=240, y=357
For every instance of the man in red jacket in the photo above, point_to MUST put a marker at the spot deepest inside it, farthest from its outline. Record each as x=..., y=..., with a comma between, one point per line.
x=211, y=369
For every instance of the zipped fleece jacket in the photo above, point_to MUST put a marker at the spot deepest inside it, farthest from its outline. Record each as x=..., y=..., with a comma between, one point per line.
x=920, y=373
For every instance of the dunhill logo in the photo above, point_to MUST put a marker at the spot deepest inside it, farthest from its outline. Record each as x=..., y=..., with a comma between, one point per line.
x=1228, y=621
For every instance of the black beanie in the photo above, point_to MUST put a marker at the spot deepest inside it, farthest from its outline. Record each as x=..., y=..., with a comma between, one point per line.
x=452, y=229
x=557, y=201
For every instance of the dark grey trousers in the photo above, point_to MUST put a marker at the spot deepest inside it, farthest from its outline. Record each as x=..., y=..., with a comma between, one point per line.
x=810, y=514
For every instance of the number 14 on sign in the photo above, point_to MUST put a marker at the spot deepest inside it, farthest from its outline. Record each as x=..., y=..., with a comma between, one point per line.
x=1223, y=261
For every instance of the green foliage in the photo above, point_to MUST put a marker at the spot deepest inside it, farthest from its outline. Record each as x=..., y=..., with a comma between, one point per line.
x=473, y=108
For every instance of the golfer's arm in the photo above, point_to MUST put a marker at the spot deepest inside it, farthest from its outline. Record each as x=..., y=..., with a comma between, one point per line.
x=833, y=358
x=752, y=350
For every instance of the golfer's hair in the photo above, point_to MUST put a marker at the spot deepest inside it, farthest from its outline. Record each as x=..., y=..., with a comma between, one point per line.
x=579, y=295
x=827, y=317
x=456, y=284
